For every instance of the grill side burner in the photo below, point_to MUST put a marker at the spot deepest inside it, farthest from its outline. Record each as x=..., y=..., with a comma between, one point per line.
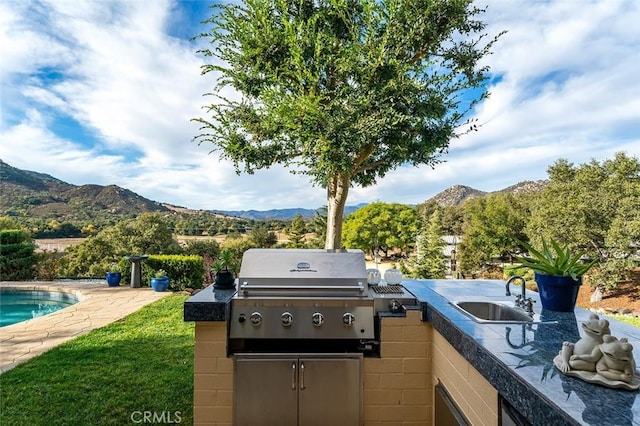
x=391, y=298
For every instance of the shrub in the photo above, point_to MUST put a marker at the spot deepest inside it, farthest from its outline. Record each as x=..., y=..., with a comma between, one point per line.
x=183, y=271
x=50, y=265
x=17, y=255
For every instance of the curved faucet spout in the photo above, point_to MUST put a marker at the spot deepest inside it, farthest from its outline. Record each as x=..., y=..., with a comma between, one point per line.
x=524, y=287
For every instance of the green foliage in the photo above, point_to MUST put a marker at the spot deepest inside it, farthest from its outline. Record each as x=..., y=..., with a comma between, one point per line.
x=519, y=270
x=184, y=271
x=226, y=262
x=148, y=234
x=50, y=265
x=261, y=237
x=208, y=250
x=9, y=223
x=381, y=226
x=296, y=232
x=493, y=226
x=429, y=262
x=554, y=259
x=318, y=226
x=343, y=91
x=237, y=248
x=593, y=208
x=17, y=255
x=202, y=247
x=160, y=273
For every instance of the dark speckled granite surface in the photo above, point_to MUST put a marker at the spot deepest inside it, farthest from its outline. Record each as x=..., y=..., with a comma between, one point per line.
x=518, y=359
x=208, y=305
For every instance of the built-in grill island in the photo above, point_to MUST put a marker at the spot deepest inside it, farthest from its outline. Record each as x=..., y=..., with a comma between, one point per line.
x=299, y=326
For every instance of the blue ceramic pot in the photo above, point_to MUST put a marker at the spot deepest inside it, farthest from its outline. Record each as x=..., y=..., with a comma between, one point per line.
x=558, y=293
x=160, y=284
x=113, y=278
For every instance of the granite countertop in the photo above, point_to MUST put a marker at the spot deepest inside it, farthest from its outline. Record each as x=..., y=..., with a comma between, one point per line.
x=517, y=359
x=208, y=304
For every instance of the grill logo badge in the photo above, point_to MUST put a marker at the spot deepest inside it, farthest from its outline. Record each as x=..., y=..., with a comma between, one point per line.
x=303, y=267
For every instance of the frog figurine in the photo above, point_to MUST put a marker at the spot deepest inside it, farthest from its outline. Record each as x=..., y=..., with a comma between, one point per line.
x=585, y=353
x=617, y=361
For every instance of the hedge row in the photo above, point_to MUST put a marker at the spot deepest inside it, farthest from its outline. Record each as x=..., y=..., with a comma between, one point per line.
x=17, y=255
x=183, y=270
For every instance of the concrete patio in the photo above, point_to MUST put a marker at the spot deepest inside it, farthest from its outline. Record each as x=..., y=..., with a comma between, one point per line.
x=99, y=305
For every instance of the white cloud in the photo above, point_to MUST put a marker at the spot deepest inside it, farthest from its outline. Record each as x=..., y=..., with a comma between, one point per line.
x=567, y=88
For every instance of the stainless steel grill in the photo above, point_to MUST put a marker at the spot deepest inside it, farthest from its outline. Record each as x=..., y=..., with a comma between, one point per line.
x=299, y=327
x=302, y=294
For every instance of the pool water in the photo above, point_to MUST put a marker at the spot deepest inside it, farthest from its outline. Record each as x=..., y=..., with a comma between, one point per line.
x=21, y=305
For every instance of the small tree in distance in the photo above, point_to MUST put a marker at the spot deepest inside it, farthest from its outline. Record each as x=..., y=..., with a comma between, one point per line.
x=429, y=262
x=341, y=90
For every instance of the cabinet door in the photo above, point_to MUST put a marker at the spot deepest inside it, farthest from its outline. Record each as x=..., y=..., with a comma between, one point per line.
x=330, y=391
x=266, y=391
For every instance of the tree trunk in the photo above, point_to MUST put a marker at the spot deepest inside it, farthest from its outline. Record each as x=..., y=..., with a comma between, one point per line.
x=337, y=191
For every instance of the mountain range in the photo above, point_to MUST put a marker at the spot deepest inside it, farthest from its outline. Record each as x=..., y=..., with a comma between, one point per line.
x=31, y=194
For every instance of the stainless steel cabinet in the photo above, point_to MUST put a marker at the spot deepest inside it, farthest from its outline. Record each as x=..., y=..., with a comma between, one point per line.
x=290, y=389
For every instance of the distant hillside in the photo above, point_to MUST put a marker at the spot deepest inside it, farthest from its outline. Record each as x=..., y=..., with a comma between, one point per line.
x=455, y=195
x=31, y=194
x=526, y=187
x=280, y=214
x=458, y=194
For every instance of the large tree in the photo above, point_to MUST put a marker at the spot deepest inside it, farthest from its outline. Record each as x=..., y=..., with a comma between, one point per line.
x=593, y=207
x=381, y=226
x=341, y=90
x=493, y=227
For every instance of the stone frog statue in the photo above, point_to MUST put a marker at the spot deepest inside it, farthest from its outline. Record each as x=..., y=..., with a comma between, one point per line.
x=616, y=362
x=585, y=353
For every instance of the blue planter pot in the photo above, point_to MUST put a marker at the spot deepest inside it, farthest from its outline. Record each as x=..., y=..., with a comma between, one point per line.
x=113, y=278
x=558, y=293
x=160, y=284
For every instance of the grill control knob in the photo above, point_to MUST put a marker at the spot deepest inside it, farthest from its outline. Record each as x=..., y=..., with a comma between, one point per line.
x=317, y=319
x=256, y=319
x=287, y=319
x=348, y=319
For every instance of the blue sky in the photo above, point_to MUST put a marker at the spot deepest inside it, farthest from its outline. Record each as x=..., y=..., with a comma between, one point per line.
x=102, y=92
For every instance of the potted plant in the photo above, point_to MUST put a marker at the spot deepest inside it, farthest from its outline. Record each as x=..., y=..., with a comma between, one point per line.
x=224, y=267
x=114, y=275
x=558, y=273
x=160, y=280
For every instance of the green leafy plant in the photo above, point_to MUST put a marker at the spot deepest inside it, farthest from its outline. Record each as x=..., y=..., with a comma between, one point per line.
x=225, y=262
x=555, y=259
x=114, y=267
x=160, y=273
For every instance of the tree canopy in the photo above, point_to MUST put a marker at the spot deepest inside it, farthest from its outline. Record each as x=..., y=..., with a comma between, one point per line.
x=381, y=226
x=341, y=90
x=593, y=207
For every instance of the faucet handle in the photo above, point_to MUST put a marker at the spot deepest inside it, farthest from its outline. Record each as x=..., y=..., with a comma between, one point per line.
x=528, y=305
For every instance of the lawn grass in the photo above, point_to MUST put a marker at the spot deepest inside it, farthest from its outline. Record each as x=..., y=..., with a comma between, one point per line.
x=635, y=321
x=111, y=376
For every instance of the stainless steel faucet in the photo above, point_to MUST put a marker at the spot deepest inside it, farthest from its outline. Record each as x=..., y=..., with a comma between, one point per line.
x=522, y=301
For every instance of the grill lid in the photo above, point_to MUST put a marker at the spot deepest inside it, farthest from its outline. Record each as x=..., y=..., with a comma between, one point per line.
x=295, y=271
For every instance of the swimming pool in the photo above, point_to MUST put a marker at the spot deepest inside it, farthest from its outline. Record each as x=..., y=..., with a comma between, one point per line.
x=21, y=305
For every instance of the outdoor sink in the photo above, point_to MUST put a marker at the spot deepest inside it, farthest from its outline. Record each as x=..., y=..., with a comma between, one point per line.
x=494, y=312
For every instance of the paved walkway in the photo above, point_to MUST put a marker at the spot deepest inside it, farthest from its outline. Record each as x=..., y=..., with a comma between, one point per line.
x=99, y=305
